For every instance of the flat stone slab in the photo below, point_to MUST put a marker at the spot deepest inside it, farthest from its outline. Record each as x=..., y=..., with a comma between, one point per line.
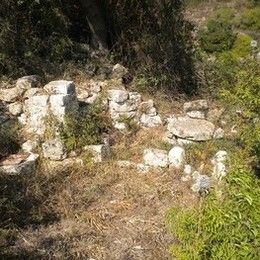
x=19, y=164
x=191, y=129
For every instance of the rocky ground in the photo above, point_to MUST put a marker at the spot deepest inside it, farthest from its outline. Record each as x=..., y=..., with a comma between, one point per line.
x=114, y=207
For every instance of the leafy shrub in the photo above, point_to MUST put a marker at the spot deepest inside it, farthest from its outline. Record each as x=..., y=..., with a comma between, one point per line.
x=224, y=15
x=86, y=129
x=9, y=143
x=218, y=37
x=250, y=19
x=225, y=227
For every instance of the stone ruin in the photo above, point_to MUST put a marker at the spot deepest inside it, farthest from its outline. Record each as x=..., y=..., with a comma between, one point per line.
x=195, y=126
x=34, y=106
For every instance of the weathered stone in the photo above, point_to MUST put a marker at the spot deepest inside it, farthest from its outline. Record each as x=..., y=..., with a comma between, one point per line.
x=148, y=108
x=187, y=171
x=119, y=126
x=119, y=71
x=92, y=98
x=33, y=92
x=215, y=114
x=99, y=152
x=62, y=105
x=19, y=164
x=30, y=145
x=127, y=106
x=11, y=94
x=150, y=121
x=191, y=129
x=54, y=150
x=219, y=133
x=197, y=105
x=27, y=82
x=15, y=109
x=117, y=95
x=218, y=161
x=22, y=119
x=62, y=87
x=177, y=157
x=135, y=97
x=36, y=110
x=156, y=158
x=197, y=114
x=202, y=183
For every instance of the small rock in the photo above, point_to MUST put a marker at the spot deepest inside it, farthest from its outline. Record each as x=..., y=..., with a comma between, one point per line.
x=187, y=171
x=117, y=95
x=29, y=146
x=119, y=71
x=99, y=152
x=22, y=119
x=150, y=121
x=219, y=170
x=11, y=94
x=28, y=82
x=220, y=156
x=15, y=109
x=148, y=108
x=177, y=157
x=19, y=164
x=197, y=114
x=33, y=92
x=215, y=114
x=202, y=184
x=156, y=158
x=219, y=133
x=62, y=87
x=197, y=105
x=54, y=150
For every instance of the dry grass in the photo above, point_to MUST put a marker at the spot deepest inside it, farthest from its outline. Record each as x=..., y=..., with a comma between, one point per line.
x=104, y=212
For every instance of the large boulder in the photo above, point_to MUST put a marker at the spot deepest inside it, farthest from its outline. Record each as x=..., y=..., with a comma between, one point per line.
x=156, y=158
x=191, y=129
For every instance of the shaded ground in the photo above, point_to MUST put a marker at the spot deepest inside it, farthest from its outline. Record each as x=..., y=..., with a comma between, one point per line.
x=100, y=212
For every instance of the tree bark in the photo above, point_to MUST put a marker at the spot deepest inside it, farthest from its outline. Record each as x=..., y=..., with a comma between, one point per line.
x=96, y=23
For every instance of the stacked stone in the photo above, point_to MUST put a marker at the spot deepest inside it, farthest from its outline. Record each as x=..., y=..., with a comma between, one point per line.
x=193, y=127
x=124, y=105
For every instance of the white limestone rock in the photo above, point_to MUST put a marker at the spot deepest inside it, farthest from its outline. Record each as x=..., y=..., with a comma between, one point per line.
x=28, y=82
x=197, y=105
x=19, y=164
x=197, y=114
x=176, y=157
x=218, y=161
x=191, y=129
x=11, y=94
x=60, y=87
x=202, y=183
x=219, y=133
x=54, y=150
x=117, y=95
x=99, y=152
x=150, y=121
x=30, y=145
x=15, y=108
x=156, y=158
x=187, y=172
x=119, y=71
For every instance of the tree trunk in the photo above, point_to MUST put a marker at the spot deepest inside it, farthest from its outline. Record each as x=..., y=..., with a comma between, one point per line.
x=96, y=23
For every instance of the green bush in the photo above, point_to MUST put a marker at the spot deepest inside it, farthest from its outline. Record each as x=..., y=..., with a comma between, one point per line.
x=86, y=129
x=250, y=19
x=225, y=15
x=223, y=226
x=218, y=37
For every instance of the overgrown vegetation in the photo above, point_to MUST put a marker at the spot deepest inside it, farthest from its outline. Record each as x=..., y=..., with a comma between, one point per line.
x=86, y=128
x=225, y=224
